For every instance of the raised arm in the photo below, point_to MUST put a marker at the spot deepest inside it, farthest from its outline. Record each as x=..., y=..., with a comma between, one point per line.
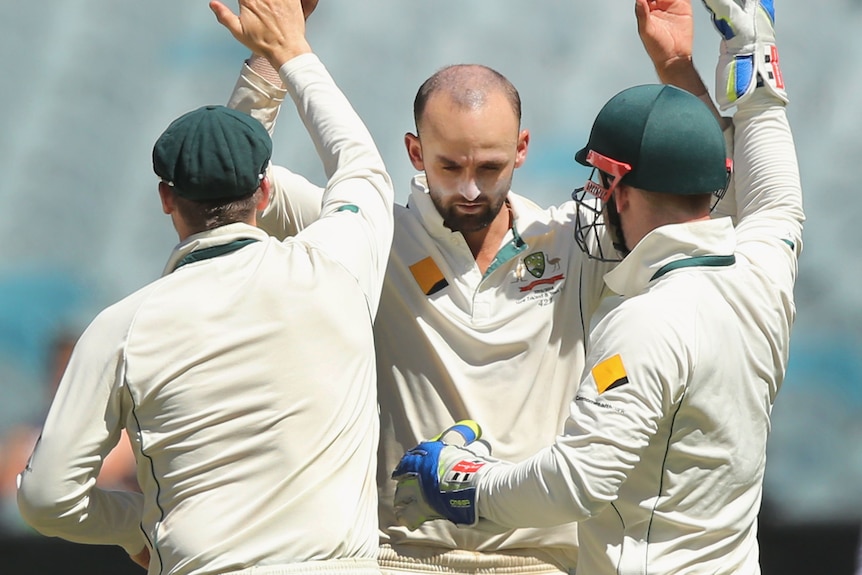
x=294, y=201
x=356, y=210
x=766, y=173
x=666, y=29
x=768, y=233
x=259, y=90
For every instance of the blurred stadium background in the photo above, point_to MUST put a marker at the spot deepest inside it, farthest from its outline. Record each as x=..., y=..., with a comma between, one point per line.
x=89, y=84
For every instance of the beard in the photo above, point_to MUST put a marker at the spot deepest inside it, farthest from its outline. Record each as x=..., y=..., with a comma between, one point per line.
x=458, y=220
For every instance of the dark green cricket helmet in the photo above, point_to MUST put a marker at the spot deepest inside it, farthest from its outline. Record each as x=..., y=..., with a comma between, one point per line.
x=668, y=137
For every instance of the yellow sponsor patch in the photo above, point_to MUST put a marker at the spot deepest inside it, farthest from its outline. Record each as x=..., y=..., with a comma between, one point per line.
x=428, y=276
x=610, y=373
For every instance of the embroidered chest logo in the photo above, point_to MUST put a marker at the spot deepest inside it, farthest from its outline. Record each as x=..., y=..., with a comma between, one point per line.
x=536, y=264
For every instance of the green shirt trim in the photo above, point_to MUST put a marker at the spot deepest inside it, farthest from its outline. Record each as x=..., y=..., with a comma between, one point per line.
x=214, y=251
x=707, y=261
x=507, y=252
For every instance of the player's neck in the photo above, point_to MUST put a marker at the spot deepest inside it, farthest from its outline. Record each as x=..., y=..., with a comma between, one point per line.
x=485, y=243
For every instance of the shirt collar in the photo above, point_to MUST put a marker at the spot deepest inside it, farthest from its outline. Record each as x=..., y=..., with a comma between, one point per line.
x=671, y=246
x=420, y=200
x=216, y=237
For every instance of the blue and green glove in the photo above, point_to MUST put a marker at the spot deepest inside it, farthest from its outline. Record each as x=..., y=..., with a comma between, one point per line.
x=748, y=56
x=437, y=480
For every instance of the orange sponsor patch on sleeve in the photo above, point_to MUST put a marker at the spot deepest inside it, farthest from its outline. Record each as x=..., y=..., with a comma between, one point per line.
x=428, y=276
x=610, y=373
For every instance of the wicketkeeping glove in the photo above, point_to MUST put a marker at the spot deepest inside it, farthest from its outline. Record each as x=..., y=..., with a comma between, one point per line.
x=437, y=480
x=748, y=56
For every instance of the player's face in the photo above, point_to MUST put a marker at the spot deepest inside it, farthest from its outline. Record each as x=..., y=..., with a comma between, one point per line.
x=468, y=156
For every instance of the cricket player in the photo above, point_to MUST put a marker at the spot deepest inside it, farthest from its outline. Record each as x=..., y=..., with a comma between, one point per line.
x=486, y=302
x=663, y=454
x=245, y=376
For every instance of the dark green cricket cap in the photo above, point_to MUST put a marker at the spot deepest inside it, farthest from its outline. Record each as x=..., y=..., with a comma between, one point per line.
x=668, y=136
x=213, y=153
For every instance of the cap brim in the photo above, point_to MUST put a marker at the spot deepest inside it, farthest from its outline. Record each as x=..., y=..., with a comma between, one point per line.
x=581, y=156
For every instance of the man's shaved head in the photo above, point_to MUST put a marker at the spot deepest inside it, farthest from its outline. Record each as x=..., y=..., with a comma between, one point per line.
x=468, y=87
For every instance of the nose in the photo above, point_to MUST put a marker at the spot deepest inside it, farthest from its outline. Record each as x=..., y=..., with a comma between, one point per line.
x=469, y=190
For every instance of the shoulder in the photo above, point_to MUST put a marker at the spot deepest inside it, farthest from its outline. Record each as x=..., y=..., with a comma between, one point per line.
x=660, y=321
x=645, y=343
x=119, y=316
x=528, y=212
x=109, y=331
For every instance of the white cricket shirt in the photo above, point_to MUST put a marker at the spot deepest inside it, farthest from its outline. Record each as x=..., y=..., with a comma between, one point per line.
x=665, y=447
x=246, y=381
x=505, y=348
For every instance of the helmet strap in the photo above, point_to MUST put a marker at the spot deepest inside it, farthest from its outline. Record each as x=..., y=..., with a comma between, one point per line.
x=615, y=227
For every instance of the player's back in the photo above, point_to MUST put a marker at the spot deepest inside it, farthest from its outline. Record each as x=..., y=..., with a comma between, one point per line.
x=251, y=378
x=714, y=342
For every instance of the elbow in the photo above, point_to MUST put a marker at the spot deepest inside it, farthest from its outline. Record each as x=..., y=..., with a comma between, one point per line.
x=36, y=505
x=590, y=507
x=589, y=488
x=32, y=506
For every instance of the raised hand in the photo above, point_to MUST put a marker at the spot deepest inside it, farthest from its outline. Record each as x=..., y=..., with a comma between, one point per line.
x=749, y=56
x=274, y=29
x=666, y=28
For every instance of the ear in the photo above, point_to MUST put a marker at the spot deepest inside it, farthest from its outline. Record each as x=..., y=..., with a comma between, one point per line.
x=414, y=151
x=621, y=198
x=166, y=193
x=523, y=143
x=266, y=188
